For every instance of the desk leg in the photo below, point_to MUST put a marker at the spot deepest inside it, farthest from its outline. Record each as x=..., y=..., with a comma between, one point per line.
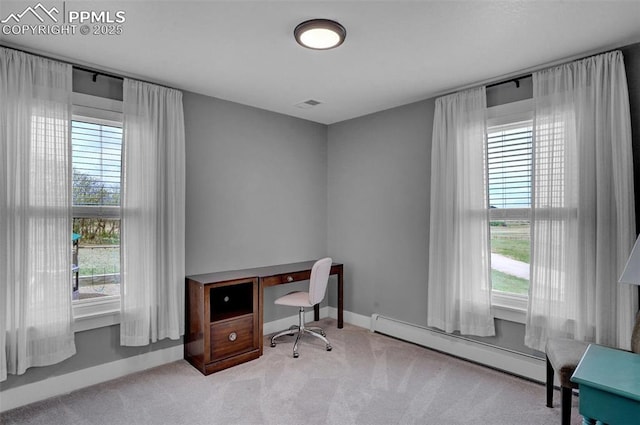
x=316, y=308
x=261, y=314
x=340, y=299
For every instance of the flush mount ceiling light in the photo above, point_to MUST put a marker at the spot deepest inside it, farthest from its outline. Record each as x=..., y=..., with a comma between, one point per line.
x=320, y=34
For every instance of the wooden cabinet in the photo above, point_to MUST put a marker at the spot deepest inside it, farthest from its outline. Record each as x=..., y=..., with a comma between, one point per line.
x=222, y=322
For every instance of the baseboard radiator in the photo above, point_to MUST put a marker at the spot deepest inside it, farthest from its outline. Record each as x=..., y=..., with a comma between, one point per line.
x=520, y=364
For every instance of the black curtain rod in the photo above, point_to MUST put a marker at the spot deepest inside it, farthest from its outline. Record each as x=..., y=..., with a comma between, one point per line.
x=513, y=80
x=93, y=71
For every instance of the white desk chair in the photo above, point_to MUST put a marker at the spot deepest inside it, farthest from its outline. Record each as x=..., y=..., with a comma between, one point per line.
x=317, y=289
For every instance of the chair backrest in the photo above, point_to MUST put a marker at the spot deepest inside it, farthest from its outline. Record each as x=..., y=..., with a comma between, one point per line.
x=319, y=279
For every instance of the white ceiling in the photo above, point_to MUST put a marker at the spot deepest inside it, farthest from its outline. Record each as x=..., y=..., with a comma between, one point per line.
x=395, y=52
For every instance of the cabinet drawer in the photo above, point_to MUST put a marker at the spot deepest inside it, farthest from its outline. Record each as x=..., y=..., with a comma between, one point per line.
x=286, y=278
x=231, y=337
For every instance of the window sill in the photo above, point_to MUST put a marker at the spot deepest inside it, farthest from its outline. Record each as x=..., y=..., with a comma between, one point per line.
x=509, y=307
x=93, y=314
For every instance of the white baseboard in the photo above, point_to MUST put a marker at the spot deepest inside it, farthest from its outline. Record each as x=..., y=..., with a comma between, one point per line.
x=489, y=355
x=351, y=318
x=63, y=384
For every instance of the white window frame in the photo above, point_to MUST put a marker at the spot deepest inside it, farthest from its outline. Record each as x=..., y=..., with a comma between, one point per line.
x=104, y=311
x=506, y=306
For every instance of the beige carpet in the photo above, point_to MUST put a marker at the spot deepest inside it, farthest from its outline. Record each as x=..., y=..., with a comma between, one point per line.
x=367, y=379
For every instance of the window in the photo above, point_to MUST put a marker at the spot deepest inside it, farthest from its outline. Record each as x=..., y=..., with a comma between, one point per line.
x=96, y=144
x=509, y=177
x=96, y=159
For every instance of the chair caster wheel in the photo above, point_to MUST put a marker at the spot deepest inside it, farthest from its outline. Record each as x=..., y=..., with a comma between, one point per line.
x=329, y=348
x=296, y=355
x=323, y=333
x=273, y=344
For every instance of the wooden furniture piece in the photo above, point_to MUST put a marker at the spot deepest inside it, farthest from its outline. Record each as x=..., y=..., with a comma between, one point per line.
x=563, y=356
x=206, y=321
x=223, y=317
x=609, y=382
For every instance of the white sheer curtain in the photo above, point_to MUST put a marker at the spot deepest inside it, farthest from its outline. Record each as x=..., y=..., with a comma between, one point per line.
x=153, y=214
x=459, y=286
x=583, y=215
x=35, y=213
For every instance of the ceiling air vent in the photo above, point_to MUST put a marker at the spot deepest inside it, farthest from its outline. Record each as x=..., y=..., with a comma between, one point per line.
x=308, y=104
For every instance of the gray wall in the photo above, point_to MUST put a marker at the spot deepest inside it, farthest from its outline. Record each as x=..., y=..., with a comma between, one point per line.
x=93, y=348
x=378, y=223
x=632, y=66
x=256, y=195
x=379, y=167
x=256, y=190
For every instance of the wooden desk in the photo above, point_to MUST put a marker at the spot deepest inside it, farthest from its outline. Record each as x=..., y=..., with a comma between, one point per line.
x=609, y=382
x=277, y=275
x=209, y=321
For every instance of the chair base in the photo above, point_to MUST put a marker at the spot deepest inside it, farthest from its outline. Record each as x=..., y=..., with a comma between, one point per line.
x=301, y=330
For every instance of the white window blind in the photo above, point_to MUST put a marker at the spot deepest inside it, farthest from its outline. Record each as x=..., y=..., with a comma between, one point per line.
x=96, y=155
x=96, y=151
x=509, y=163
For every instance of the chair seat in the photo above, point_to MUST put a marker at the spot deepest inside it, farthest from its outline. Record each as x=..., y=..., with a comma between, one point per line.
x=564, y=355
x=295, y=299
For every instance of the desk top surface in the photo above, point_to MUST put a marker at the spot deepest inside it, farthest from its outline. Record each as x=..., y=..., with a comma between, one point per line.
x=259, y=272
x=610, y=370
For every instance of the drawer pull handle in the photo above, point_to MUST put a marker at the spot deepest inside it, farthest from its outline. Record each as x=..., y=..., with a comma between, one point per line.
x=233, y=336
x=226, y=299
x=289, y=279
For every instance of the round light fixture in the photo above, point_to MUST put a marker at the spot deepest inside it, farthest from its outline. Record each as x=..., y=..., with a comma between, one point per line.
x=320, y=34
